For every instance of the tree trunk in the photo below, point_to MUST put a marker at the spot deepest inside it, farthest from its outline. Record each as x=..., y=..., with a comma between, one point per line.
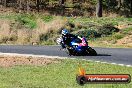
x=38, y=5
x=20, y=6
x=119, y=4
x=62, y=7
x=5, y=3
x=62, y=2
x=28, y=8
x=131, y=7
x=99, y=9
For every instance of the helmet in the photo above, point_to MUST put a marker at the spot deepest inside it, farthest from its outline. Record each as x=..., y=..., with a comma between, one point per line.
x=64, y=32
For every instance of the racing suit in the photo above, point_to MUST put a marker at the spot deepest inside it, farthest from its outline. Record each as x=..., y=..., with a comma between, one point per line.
x=66, y=39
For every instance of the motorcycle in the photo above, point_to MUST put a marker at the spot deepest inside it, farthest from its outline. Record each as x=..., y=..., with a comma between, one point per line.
x=78, y=47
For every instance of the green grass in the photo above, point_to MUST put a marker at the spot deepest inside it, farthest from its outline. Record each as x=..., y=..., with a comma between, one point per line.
x=84, y=24
x=110, y=45
x=117, y=36
x=29, y=21
x=8, y=16
x=47, y=18
x=48, y=42
x=100, y=21
x=111, y=40
x=60, y=75
x=127, y=30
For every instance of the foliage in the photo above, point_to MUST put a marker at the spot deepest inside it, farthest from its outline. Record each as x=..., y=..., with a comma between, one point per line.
x=59, y=75
x=107, y=29
x=43, y=37
x=127, y=30
x=48, y=38
x=109, y=6
x=77, y=5
x=4, y=39
x=89, y=27
x=47, y=18
x=48, y=42
x=27, y=20
x=117, y=36
x=13, y=38
x=70, y=24
x=89, y=33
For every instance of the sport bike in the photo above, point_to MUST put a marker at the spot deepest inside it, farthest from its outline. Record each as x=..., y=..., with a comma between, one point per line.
x=78, y=47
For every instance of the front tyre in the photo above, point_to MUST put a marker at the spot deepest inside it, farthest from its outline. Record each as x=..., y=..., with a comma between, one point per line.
x=91, y=52
x=70, y=52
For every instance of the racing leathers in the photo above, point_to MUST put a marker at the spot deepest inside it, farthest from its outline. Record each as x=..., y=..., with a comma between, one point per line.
x=66, y=40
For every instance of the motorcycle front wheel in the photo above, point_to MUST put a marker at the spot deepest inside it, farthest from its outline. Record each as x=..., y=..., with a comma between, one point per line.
x=71, y=52
x=91, y=52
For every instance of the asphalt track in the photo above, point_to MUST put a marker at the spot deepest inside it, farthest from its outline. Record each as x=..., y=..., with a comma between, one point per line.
x=110, y=55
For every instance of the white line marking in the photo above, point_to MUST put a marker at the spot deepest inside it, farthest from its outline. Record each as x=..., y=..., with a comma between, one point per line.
x=89, y=60
x=104, y=62
x=83, y=59
x=113, y=63
x=97, y=61
x=128, y=65
x=45, y=56
x=121, y=64
x=31, y=55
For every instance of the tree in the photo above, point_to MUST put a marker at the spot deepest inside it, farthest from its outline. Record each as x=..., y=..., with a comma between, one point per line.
x=99, y=8
x=27, y=6
x=5, y=3
x=37, y=5
x=62, y=2
x=20, y=5
x=119, y=4
x=62, y=6
x=131, y=7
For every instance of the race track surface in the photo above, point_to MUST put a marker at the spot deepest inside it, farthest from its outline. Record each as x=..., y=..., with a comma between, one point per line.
x=110, y=55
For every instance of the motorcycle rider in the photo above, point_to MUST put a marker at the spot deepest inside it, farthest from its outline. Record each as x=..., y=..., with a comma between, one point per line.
x=67, y=38
x=71, y=43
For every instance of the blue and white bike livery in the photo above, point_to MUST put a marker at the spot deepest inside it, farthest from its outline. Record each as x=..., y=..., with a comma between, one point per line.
x=78, y=47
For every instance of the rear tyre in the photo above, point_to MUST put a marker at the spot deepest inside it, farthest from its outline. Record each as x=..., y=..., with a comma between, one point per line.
x=91, y=52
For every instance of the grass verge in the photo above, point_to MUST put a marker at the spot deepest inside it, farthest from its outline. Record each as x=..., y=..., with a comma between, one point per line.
x=43, y=29
x=58, y=75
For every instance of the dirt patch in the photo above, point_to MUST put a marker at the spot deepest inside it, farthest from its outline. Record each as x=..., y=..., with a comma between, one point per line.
x=123, y=26
x=9, y=61
x=125, y=41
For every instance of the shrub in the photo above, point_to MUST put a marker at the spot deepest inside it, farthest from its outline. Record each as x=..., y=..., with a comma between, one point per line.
x=48, y=42
x=43, y=37
x=93, y=34
x=77, y=5
x=90, y=34
x=4, y=39
x=127, y=31
x=70, y=24
x=118, y=36
x=46, y=36
x=107, y=29
x=13, y=38
x=23, y=36
x=27, y=20
x=79, y=26
x=47, y=18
